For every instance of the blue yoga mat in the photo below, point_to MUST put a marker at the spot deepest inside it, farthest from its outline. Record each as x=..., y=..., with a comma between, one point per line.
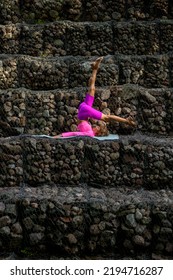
x=101, y=138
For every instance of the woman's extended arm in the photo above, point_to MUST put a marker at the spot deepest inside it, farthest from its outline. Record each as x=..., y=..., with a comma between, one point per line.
x=108, y=118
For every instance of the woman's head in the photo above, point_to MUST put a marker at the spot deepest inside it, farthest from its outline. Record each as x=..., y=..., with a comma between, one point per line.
x=100, y=129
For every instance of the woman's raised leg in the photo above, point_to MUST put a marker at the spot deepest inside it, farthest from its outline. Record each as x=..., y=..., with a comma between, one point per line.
x=95, y=67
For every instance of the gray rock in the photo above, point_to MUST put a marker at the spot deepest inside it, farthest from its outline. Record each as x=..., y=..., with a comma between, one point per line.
x=138, y=215
x=130, y=220
x=2, y=207
x=5, y=231
x=36, y=238
x=139, y=240
x=71, y=238
x=16, y=228
x=94, y=229
x=4, y=221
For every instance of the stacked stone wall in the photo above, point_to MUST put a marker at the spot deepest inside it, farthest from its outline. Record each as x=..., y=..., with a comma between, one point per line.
x=49, y=74
x=108, y=223
x=52, y=112
x=134, y=162
x=84, y=197
x=80, y=10
x=11, y=232
x=63, y=38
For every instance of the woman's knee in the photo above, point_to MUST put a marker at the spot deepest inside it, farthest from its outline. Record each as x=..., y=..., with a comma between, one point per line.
x=91, y=81
x=92, y=91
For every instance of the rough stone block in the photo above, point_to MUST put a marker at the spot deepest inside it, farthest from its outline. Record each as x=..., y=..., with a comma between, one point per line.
x=123, y=102
x=89, y=39
x=40, y=12
x=9, y=11
x=42, y=74
x=10, y=38
x=137, y=10
x=153, y=113
x=158, y=168
x=11, y=171
x=144, y=10
x=171, y=70
x=53, y=161
x=101, y=163
x=54, y=39
x=159, y=8
x=13, y=107
x=86, y=222
x=105, y=10
x=166, y=38
x=146, y=162
x=8, y=72
x=77, y=39
x=11, y=232
x=142, y=38
x=41, y=112
x=131, y=70
x=31, y=41
x=156, y=71
x=80, y=71
x=38, y=160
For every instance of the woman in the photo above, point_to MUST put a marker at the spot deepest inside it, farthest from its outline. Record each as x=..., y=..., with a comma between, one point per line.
x=86, y=111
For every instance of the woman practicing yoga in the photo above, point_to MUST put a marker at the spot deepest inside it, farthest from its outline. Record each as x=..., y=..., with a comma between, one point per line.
x=86, y=111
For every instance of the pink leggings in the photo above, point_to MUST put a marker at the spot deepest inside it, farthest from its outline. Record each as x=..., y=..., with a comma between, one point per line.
x=86, y=110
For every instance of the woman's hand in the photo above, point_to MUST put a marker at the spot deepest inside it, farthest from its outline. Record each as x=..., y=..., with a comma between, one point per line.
x=130, y=121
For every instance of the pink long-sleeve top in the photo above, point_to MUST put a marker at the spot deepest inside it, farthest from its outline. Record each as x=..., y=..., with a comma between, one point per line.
x=83, y=129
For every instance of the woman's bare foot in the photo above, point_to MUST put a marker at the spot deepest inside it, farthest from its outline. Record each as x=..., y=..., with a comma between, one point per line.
x=57, y=136
x=96, y=63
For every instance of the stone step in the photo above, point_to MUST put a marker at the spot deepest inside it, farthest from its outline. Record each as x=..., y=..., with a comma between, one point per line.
x=79, y=221
x=55, y=111
x=150, y=71
x=135, y=161
x=38, y=11
x=87, y=38
x=84, y=196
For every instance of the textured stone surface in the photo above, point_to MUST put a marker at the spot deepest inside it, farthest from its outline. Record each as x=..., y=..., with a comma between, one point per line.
x=77, y=221
x=11, y=171
x=52, y=73
x=79, y=10
x=79, y=197
x=55, y=111
x=135, y=161
x=61, y=38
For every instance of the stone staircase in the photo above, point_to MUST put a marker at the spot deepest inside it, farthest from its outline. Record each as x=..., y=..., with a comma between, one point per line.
x=84, y=198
